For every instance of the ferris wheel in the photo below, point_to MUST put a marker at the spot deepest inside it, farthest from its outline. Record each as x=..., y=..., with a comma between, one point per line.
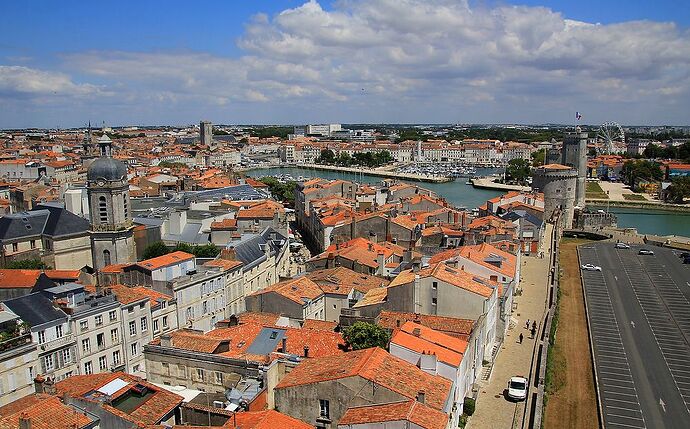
x=608, y=133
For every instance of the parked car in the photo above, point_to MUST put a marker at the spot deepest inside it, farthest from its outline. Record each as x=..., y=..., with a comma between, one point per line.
x=621, y=245
x=645, y=252
x=590, y=267
x=517, y=388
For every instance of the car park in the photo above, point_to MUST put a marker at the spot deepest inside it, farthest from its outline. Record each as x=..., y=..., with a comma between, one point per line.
x=645, y=252
x=590, y=267
x=517, y=388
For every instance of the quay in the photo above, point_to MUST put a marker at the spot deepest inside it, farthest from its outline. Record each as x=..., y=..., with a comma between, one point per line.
x=370, y=172
x=487, y=183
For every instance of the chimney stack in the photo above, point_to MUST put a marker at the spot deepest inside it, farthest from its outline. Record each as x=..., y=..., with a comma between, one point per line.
x=306, y=351
x=284, y=342
x=228, y=254
x=416, y=332
x=24, y=421
x=166, y=340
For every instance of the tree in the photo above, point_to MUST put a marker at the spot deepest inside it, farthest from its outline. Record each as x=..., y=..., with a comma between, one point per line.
x=344, y=159
x=539, y=157
x=679, y=190
x=27, y=264
x=156, y=249
x=653, y=151
x=518, y=170
x=640, y=169
x=363, y=335
x=205, y=250
x=327, y=157
x=281, y=191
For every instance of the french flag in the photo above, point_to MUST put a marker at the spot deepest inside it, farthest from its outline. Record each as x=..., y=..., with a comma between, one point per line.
x=578, y=116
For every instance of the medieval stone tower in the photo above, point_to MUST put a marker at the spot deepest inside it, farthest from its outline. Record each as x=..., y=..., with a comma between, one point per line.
x=558, y=183
x=112, y=238
x=574, y=154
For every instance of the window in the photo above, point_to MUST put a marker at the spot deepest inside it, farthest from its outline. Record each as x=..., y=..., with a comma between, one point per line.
x=103, y=209
x=41, y=337
x=132, y=328
x=112, y=315
x=204, y=306
x=58, y=331
x=135, y=349
x=142, y=305
x=163, y=304
x=219, y=377
x=47, y=245
x=86, y=345
x=434, y=285
x=113, y=335
x=99, y=320
x=181, y=371
x=130, y=309
x=116, y=357
x=66, y=356
x=434, y=301
x=33, y=244
x=155, y=325
x=102, y=363
x=200, y=374
x=324, y=408
x=100, y=341
x=190, y=313
x=144, y=324
x=48, y=361
x=165, y=322
x=106, y=257
x=84, y=325
x=15, y=247
x=87, y=368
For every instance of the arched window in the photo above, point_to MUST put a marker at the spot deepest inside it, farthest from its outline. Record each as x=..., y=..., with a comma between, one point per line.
x=124, y=203
x=102, y=209
x=106, y=257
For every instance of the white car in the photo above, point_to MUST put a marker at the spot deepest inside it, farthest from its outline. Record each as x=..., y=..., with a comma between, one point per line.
x=622, y=245
x=590, y=267
x=517, y=388
x=646, y=252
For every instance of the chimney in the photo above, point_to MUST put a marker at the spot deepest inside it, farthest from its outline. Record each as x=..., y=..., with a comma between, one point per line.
x=166, y=340
x=416, y=332
x=420, y=396
x=416, y=265
x=24, y=421
x=306, y=351
x=371, y=246
x=39, y=384
x=228, y=254
x=397, y=323
x=330, y=260
x=407, y=255
x=381, y=259
x=284, y=345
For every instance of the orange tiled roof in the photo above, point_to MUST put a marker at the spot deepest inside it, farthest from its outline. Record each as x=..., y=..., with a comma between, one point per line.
x=44, y=412
x=417, y=413
x=165, y=260
x=153, y=295
x=341, y=280
x=422, y=339
x=18, y=278
x=297, y=290
x=453, y=276
x=127, y=295
x=269, y=419
x=478, y=253
x=453, y=326
x=377, y=366
x=320, y=325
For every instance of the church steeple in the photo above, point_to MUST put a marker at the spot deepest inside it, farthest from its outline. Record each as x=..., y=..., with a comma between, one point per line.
x=106, y=146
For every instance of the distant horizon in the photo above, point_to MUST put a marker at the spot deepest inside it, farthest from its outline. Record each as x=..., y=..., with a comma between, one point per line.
x=355, y=61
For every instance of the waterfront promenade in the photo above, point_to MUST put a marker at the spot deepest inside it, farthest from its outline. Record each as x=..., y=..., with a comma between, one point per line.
x=371, y=172
x=488, y=183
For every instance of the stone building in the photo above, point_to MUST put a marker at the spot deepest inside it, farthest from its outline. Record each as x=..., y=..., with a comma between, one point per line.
x=558, y=183
x=574, y=154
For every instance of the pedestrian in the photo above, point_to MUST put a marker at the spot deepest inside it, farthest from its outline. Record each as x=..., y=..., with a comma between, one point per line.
x=527, y=324
x=520, y=337
x=534, y=331
x=534, y=325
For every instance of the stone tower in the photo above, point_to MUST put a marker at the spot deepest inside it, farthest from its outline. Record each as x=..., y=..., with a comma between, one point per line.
x=558, y=183
x=112, y=238
x=574, y=154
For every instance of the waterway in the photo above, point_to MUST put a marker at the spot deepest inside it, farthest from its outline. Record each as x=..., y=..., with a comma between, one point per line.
x=647, y=221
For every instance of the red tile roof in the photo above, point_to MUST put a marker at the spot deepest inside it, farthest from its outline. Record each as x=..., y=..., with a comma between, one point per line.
x=423, y=340
x=18, y=278
x=43, y=411
x=412, y=411
x=453, y=326
x=377, y=366
x=454, y=276
x=269, y=419
x=165, y=260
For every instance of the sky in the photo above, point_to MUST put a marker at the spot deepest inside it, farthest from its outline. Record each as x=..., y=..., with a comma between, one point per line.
x=176, y=62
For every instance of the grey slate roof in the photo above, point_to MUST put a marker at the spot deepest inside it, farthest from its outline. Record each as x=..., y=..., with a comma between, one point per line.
x=43, y=220
x=36, y=309
x=248, y=250
x=266, y=341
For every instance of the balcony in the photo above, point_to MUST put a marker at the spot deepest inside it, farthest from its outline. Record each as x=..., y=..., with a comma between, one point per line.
x=58, y=342
x=15, y=344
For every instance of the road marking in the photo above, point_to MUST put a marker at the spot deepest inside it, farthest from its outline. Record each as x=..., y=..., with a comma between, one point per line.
x=663, y=405
x=632, y=323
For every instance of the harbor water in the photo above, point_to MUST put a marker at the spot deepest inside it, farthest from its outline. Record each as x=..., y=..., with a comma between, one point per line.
x=657, y=222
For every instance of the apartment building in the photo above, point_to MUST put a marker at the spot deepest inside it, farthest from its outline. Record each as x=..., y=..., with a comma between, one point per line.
x=18, y=358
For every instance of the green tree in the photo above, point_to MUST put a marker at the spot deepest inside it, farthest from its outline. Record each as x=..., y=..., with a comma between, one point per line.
x=156, y=249
x=27, y=264
x=363, y=335
x=344, y=159
x=327, y=157
x=206, y=251
x=653, y=151
x=281, y=191
x=539, y=157
x=518, y=170
x=640, y=169
x=679, y=190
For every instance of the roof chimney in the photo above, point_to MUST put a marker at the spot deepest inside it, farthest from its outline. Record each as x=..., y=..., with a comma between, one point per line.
x=420, y=396
x=24, y=421
x=306, y=351
x=284, y=342
x=416, y=332
x=228, y=254
x=166, y=340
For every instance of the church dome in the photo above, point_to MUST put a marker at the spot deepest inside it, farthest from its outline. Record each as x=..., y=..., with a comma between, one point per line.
x=106, y=169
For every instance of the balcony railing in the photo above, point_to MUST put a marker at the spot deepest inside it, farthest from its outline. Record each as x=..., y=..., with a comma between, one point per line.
x=15, y=342
x=58, y=342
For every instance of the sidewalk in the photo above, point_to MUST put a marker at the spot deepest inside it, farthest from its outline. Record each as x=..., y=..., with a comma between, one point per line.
x=493, y=410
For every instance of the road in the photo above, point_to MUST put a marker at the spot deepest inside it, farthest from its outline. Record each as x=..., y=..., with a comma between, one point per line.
x=638, y=312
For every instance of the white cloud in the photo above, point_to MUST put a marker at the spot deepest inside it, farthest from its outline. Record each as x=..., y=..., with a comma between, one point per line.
x=19, y=81
x=406, y=60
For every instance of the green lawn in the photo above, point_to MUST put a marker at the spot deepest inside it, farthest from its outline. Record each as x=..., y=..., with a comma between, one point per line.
x=634, y=197
x=594, y=191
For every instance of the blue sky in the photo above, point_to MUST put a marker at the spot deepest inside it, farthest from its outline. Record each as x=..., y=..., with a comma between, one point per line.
x=140, y=62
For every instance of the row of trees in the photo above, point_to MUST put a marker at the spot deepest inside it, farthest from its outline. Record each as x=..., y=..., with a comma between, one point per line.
x=681, y=152
x=159, y=248
x=284, y=192
x=365, y=159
